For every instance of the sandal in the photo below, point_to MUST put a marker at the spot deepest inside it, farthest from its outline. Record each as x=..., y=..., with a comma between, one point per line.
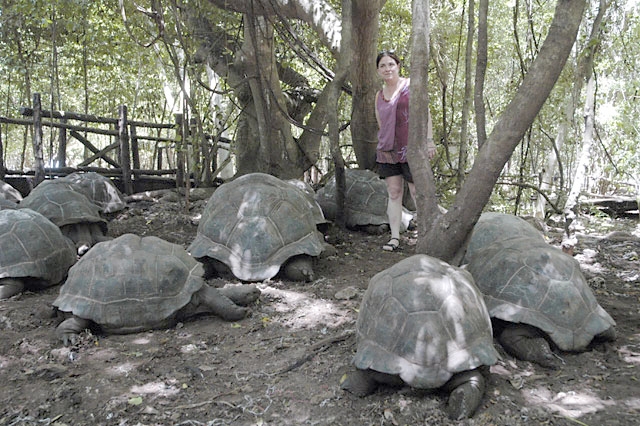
x=392, y=245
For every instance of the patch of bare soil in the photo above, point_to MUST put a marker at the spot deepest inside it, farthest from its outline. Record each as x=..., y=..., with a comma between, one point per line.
x=282, y=364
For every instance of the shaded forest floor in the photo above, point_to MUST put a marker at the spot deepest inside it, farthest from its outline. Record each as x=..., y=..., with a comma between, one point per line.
x=282, y=364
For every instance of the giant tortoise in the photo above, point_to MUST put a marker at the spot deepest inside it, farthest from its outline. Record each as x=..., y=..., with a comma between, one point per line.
x=536, y=294
x=424, y=323
x=255, y=226
x=33, y=252
x=133, y=283
x=365, y=202
x=98, y=189
x=77, y=217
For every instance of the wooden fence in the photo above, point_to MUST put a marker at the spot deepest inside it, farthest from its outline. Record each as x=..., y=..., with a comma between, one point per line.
x=122, y=156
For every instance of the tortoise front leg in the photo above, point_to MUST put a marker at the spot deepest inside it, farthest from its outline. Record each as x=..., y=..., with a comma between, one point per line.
x=69, y=329
x=10, y=287
x=213, y=300
x=526, y=343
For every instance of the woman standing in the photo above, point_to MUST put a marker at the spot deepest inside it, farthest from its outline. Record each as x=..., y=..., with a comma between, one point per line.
x=392, y=114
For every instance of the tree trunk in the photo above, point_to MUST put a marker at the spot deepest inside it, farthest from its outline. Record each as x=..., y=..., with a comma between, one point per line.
x=364, y=80
x=444, y=235
x=466, y=105
x=580, y=174
x=481, y=69
x=583, y=70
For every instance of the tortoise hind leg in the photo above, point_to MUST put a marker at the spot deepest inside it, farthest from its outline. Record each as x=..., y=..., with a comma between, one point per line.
x=299, y=268
x=359, y=382
x=466, y=392
x=526, y=343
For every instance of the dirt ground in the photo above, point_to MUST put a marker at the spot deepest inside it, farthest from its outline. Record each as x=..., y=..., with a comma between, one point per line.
x=282, y=364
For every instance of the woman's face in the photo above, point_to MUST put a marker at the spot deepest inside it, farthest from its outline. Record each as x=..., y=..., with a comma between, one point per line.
x=388, y=68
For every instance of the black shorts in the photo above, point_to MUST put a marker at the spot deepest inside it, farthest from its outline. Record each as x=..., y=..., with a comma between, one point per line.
x=398, y=169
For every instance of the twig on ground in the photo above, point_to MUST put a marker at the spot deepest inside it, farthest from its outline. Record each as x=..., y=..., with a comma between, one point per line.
x=315, y=349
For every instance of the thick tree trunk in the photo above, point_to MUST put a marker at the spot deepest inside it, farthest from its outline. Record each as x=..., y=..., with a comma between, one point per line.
x=365, y=82
x=445, y=235
x=467, y=102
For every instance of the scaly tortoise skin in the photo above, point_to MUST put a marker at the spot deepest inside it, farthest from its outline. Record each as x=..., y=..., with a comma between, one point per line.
x=33, y=252
x=535, y=293
x=424, y=323
x=257, y=225
x=133, y=283
x=77, y=217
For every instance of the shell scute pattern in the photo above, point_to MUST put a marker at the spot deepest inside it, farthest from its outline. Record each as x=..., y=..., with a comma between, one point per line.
x=425, y=321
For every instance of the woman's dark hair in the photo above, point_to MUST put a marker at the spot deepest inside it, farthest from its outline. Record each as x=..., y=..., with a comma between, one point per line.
x=389, y=53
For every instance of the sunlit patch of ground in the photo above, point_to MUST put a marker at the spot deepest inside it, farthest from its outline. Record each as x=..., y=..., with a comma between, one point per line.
x=571, y=403
x=298, y=310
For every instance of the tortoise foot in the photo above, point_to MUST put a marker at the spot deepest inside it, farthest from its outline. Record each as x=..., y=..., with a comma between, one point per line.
x=69, y=329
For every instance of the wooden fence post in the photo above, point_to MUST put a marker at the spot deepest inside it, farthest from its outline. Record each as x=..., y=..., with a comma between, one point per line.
x=37, y=140
x=135, y=154
x=125, y=159
x=62, y=149
x=180, y=148
x=3, y=170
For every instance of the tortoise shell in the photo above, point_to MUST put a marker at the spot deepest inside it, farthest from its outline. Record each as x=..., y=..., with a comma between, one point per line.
x=97, y=188
x=31, y=246
x=254, y=224
x=61, y=204
x=527, y=281
x=131, y=284
x=423, y=320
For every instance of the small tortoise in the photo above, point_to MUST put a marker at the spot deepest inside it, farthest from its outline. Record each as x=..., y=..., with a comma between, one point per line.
x=255, y=226
x=423, y=322
x=134, y=283
x=537, y=294
x=365, y=202
x=33, y=252
x=77, y=217
x=99, y=189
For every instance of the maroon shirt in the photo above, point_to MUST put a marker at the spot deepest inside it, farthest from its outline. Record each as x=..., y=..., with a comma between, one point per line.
x=393, y=134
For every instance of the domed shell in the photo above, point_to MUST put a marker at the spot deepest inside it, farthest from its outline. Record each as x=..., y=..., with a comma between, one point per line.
x=424, y=320
x=492, y=226
x=365, y=198
x=528, y=281
x=97, y=188
x=255, y=223
x=131, y=284
x=9, y=193
x=62, y=205
x=33, y=247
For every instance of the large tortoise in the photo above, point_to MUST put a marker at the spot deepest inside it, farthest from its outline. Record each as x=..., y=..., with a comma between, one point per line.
x=97, y=188
x=255, y=226
x=77, y=217
x=33, y=252
x=424, y=323
x=493, y=226
x=365, y=202
x=133, y=283
x=9, y=193
x=536, y=294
